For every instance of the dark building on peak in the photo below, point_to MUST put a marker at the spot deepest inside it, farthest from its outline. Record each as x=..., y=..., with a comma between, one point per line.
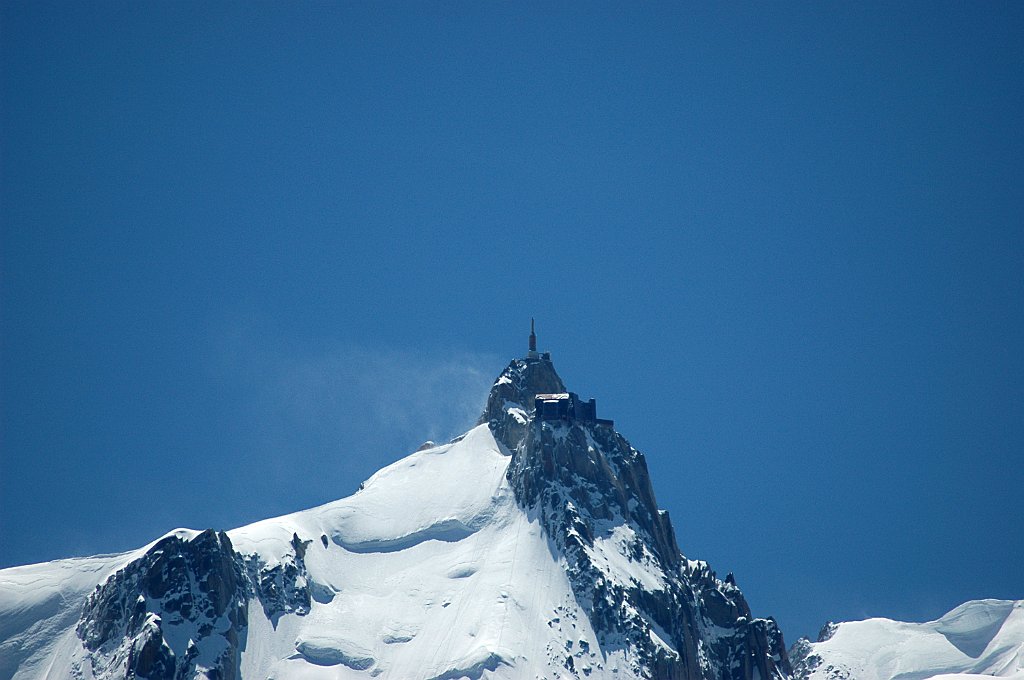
x=567, y=406
x=563, y=406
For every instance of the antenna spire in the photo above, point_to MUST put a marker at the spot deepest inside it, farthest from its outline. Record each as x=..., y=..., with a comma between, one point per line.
x=533, y=337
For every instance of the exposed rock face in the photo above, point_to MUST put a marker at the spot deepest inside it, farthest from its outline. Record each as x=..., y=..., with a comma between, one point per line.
x=178, y=612
x=181, y=611
x=510, y=402
x=284, y=588
x=586, y=484
x=806, y=661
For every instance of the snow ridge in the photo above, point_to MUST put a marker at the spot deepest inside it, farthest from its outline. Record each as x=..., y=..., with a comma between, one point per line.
x=980, y=638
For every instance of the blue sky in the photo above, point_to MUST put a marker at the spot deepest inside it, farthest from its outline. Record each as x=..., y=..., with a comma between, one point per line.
x=253, y=252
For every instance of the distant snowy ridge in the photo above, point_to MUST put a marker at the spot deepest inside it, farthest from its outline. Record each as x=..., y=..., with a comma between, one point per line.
x=981, y=638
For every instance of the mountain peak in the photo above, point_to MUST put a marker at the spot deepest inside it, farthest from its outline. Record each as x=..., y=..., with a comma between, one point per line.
x=510, y=403
x=519, y=383
x=531, y=546
x=980, y=638
x=591, y=493
x=530, y=390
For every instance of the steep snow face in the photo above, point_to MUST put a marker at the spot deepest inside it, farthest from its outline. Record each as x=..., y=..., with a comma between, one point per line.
x=981, y=638
x=520, y=550
x=430, y=571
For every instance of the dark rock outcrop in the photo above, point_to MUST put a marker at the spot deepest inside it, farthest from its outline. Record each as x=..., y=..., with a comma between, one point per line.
x=180, y=612
x=805, y=660
x=154, y=617
x=284, y=588
x=510, y=401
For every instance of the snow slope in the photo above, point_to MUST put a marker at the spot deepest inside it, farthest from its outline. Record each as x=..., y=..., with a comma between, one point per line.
x=981, y=638
x=429, y=571
x=40, y=604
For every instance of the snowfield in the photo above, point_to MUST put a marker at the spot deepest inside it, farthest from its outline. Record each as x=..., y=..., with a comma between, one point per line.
x=981, y=638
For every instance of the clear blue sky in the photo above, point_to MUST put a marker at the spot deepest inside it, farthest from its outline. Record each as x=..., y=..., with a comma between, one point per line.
x=253, y=252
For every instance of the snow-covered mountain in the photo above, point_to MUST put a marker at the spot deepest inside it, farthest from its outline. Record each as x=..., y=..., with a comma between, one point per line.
x=529, y=547
x=978, y=639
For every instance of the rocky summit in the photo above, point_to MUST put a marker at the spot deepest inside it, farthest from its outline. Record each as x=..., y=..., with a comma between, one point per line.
x=588, y=487
x=529, y=547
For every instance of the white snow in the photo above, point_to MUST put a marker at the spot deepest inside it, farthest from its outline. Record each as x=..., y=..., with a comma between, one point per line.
x=436, y=573
x=610, y=555
x=39, y=608
x=981, y=638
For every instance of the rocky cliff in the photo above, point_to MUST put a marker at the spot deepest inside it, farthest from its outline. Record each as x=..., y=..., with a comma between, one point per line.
x=589, y=486
x=181, y=610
